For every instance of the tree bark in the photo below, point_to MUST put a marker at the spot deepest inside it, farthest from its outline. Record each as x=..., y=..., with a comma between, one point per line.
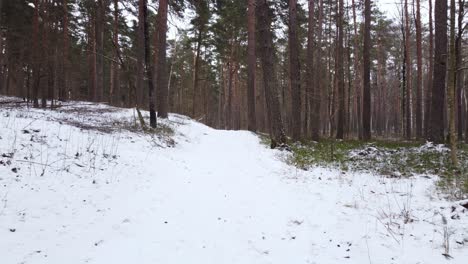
x=357, y=75
x=270, y=82
x=459, y=73
x=140, y=82
x=294, y=72
x=451, y=87
x=162, y=64
x=64, y=86
x=35, y=54
x=196, y=69
x=366, y=105
x=408, y=74
x=440, y=67
x=430, y=71
x=419, y=113
x=114, y=87
x=251, y=67
x=340, y=74
x=100, y=14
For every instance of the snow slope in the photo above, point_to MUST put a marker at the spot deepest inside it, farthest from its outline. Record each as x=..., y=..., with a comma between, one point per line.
x=80, y=195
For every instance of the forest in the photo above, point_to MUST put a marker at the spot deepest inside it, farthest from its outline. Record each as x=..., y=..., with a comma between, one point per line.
x=233, y=131
x=322, y=69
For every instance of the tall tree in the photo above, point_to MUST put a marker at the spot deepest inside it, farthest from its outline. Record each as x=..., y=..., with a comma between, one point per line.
x=460, y=73
x=64, y=87
x=419, y=83
x=99, y=38
x=35, y=54
x=312, y=88
x=357, y=74
x=452, y=86
x=340, y=73
x=114, y=84
x=294, y=72
x=440, y=67
x=140, y=80
x=366, y=104
x=408, y=66
x=251, y=67
x=161, y=76
x=147, y=65
x=270, y=83
x=430, y=71
x=200, y=25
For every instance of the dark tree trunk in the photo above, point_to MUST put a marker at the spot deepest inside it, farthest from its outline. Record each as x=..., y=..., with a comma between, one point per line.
x=440, y=67
x=270, y=82
x=340, y=74
x=251, y=67
x=294, y=72
x=114, y=87
x=35, y=54
x=64, y=86
x=313, y=96
x=196, y=70
x=147, y=64
x=460, y=76
x=357, y=75
x=419, y=113
x=366, y=104
x=100, y=13
x=430, y=71
x=162, y=64
x=451, y=80
x=140, y=82
x=408, y=74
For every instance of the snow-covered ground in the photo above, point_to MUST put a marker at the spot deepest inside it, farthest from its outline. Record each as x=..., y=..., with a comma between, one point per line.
x=75, y=189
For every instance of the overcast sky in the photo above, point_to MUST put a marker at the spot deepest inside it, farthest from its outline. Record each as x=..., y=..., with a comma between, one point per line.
x=390, y=7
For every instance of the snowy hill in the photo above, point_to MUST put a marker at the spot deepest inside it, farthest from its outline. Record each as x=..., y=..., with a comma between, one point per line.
x=79, y=185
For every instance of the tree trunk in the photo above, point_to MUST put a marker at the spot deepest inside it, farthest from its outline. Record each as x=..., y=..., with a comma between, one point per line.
x=317, y=78
x=312, y=89
x=162, y=64
x=251, y=67
x=114, y=91
x=196, y=66
x=100, y=14
x=35, y=54
x=366, y=105
x=357, y=75
x=430, y=71
x=140, y=82
x=270, y=82
x=419, y=113
x=408, y=74
x=340, y=73
x=451, y=87
x=294, y=72
x=440, y=67
x=64, y=87
x=460, y=76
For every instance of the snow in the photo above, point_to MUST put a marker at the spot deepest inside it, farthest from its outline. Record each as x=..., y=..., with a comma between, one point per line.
x=83, y=194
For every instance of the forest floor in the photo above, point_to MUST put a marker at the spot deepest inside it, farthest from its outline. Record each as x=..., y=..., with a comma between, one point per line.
x=82, y=184
x=389, y=158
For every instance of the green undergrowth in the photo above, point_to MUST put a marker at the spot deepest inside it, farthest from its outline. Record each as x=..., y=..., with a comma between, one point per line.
x=396, y=159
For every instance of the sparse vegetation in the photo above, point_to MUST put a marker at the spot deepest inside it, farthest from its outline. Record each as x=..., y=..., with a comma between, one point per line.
x=388, y=158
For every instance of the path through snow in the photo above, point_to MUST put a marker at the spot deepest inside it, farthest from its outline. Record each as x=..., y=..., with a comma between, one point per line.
x=216, y=197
